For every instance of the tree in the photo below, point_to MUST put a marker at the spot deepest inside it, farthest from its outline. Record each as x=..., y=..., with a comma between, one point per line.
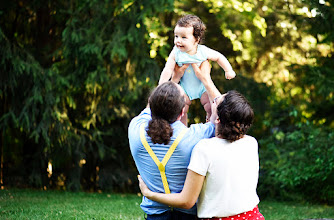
x=73, y=75
x=286, y=47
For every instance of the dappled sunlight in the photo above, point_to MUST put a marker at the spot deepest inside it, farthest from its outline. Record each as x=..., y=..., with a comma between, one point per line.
x=247, y=35
x=74, y=75
x=122, y=111
x=82, y=162
x=155, y=39
x=261, y=24
x=49, y=169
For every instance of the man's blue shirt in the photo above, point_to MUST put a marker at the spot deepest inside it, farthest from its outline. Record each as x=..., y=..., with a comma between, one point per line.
x=176, y=168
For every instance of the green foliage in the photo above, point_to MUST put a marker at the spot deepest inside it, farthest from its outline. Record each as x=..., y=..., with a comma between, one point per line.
x=74, y=73
x=298, y=154
x=294, y=162
x=317, y=79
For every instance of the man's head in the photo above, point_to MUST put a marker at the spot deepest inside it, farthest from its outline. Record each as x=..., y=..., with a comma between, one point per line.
x=167, y=101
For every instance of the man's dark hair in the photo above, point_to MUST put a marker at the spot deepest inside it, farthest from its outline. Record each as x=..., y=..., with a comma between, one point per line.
x=166, y=104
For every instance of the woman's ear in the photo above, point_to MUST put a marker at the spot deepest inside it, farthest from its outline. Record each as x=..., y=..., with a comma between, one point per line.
x=217, y=121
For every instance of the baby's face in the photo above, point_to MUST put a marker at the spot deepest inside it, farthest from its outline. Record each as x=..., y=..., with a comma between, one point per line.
x=184, y=39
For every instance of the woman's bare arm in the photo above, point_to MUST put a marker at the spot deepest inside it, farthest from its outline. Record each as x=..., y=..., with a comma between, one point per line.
x=203, y=74
x=186, y=199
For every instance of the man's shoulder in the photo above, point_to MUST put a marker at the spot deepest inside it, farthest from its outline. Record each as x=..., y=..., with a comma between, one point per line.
x=143, y=117
x=201, y=126
x=202, y=130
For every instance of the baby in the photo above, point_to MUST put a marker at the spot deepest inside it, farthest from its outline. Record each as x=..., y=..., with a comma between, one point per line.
x=188, y=33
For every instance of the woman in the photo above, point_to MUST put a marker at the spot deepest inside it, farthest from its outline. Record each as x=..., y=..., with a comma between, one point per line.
x=223, y=171
x=153, y=133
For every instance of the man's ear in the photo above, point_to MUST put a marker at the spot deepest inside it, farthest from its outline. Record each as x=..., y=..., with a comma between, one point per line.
x=183, y=111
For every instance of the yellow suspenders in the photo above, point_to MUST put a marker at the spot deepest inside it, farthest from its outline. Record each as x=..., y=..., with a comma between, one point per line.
x=161, y=165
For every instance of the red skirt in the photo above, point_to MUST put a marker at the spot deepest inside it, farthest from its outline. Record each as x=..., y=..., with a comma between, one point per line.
x=250, y=215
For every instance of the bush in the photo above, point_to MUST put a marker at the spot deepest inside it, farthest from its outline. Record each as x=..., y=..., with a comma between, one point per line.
x=298, y=164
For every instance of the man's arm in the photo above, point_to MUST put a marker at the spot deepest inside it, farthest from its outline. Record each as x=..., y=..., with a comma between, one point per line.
x=178, y=72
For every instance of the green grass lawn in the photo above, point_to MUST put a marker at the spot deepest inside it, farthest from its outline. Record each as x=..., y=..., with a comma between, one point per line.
x=34, y=204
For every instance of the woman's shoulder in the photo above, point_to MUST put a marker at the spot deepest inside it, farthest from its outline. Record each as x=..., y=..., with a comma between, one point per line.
x=210, y=146
x=250, y=138
x=210, y=142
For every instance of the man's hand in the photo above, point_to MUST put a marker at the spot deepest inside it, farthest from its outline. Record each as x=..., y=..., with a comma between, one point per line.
x=178, y=72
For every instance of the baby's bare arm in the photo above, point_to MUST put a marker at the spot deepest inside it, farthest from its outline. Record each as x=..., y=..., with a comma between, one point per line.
x=222, y=61
x=167, y=72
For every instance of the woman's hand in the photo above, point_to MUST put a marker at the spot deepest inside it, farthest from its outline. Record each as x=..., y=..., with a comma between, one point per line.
x=185, y=200
x=202, y=72
x=143, y=187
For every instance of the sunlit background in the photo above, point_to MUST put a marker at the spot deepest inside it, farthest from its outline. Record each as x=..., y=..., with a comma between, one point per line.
x=74, y=73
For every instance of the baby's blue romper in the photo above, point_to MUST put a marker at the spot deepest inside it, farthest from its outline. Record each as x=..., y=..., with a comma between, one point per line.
x=192, y=86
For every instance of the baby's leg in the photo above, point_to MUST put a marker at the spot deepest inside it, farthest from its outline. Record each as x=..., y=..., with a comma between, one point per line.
x=184, y=118
x=205, y=101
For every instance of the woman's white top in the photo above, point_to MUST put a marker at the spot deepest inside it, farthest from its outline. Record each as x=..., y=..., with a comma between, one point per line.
x=231, y=173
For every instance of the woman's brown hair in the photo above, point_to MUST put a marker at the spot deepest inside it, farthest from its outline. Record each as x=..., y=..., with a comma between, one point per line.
x=235, y=115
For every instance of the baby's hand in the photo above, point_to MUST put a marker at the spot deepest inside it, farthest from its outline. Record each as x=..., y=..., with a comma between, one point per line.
x=230, y=74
